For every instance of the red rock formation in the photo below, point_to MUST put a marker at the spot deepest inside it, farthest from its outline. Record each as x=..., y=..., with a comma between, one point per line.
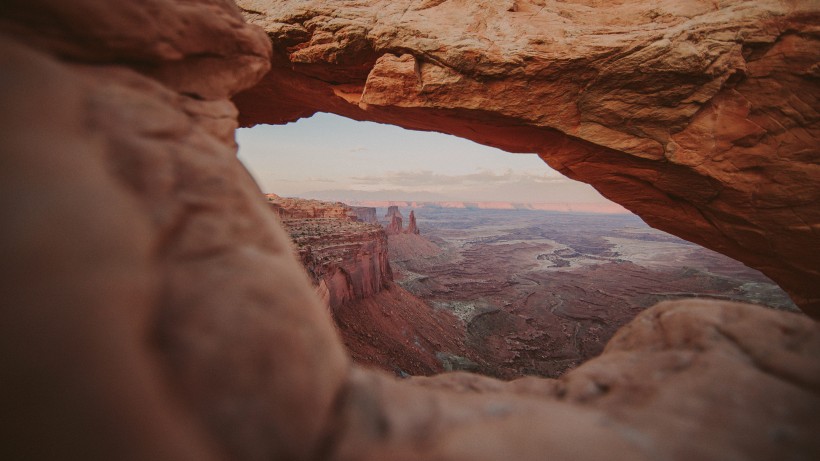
x=411, y=226
x=348, y=263
x=395, y=225
x=393, y=210
x=346, y=260
x=365, y=214
x=700, y=118
x=135, y=246
x=298, y=208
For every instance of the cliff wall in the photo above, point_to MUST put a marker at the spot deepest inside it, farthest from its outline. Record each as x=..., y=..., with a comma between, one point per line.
x=297, y=208
x=365, y=214
x=348, y=263
x=346, y=260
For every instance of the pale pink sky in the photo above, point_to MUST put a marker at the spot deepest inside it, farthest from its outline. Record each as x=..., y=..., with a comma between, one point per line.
x=329, y=156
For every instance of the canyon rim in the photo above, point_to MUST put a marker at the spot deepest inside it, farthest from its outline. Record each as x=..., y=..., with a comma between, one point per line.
x=153, y=308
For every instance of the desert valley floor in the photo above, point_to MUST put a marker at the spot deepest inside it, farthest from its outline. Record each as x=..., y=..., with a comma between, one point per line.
x=539, y=292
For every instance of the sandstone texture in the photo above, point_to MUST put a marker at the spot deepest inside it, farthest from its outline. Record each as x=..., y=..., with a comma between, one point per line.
x=346, y=259
x=365, y=214
x=657, y=376
x=699, y=116
x=287, y=208
x=153, y=307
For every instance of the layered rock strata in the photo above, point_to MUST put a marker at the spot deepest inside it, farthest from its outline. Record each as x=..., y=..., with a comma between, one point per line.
x=380, y=323
x=347, y=260
x=153, y=308
x=287, y=208
x=700, y=117
x=393, y=210
x=152, y=304
x=396, y=224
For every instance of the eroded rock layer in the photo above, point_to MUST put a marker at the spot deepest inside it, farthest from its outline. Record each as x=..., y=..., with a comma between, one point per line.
x=701, y=117
x=365, y=213
x=380, y=323
x=347, y=260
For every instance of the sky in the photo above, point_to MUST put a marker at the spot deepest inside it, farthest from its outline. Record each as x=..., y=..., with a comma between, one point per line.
x=334, y=158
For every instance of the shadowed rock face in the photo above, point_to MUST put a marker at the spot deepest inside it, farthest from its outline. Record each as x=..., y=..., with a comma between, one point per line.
x=365, y=214
x=700, y=117
x=393, y=210
x=153, y=308
x=346, y=259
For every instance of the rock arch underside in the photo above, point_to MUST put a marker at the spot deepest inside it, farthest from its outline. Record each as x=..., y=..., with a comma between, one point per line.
x=153, y=308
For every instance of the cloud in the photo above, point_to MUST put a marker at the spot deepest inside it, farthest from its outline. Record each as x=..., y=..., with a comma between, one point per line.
x=426, y=178
x=303, y=180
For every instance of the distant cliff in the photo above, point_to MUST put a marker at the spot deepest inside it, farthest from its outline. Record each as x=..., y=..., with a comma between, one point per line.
x=346, y=258
x=393, y=210
x=396, y=224
x=348, y=262
x=365, y=214
x=412, y=228
x=297, y=208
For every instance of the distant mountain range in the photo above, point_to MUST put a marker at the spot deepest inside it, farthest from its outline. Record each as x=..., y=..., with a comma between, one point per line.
x=427, y=199
x=571, y=207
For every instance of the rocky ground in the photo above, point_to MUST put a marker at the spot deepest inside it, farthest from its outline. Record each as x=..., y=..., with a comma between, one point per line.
x=542, y=292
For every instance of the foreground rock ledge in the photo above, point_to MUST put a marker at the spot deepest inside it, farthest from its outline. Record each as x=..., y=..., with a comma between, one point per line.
x=153, y=309
x=701, y=117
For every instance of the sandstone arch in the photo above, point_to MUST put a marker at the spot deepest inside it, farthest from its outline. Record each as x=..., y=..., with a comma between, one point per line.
x=153, y=310
x=700, y=118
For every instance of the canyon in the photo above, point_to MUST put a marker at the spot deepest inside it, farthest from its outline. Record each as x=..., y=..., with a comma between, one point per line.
x=347, y=261
x=504, y=293
x=539, y=297
x=153, y=306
